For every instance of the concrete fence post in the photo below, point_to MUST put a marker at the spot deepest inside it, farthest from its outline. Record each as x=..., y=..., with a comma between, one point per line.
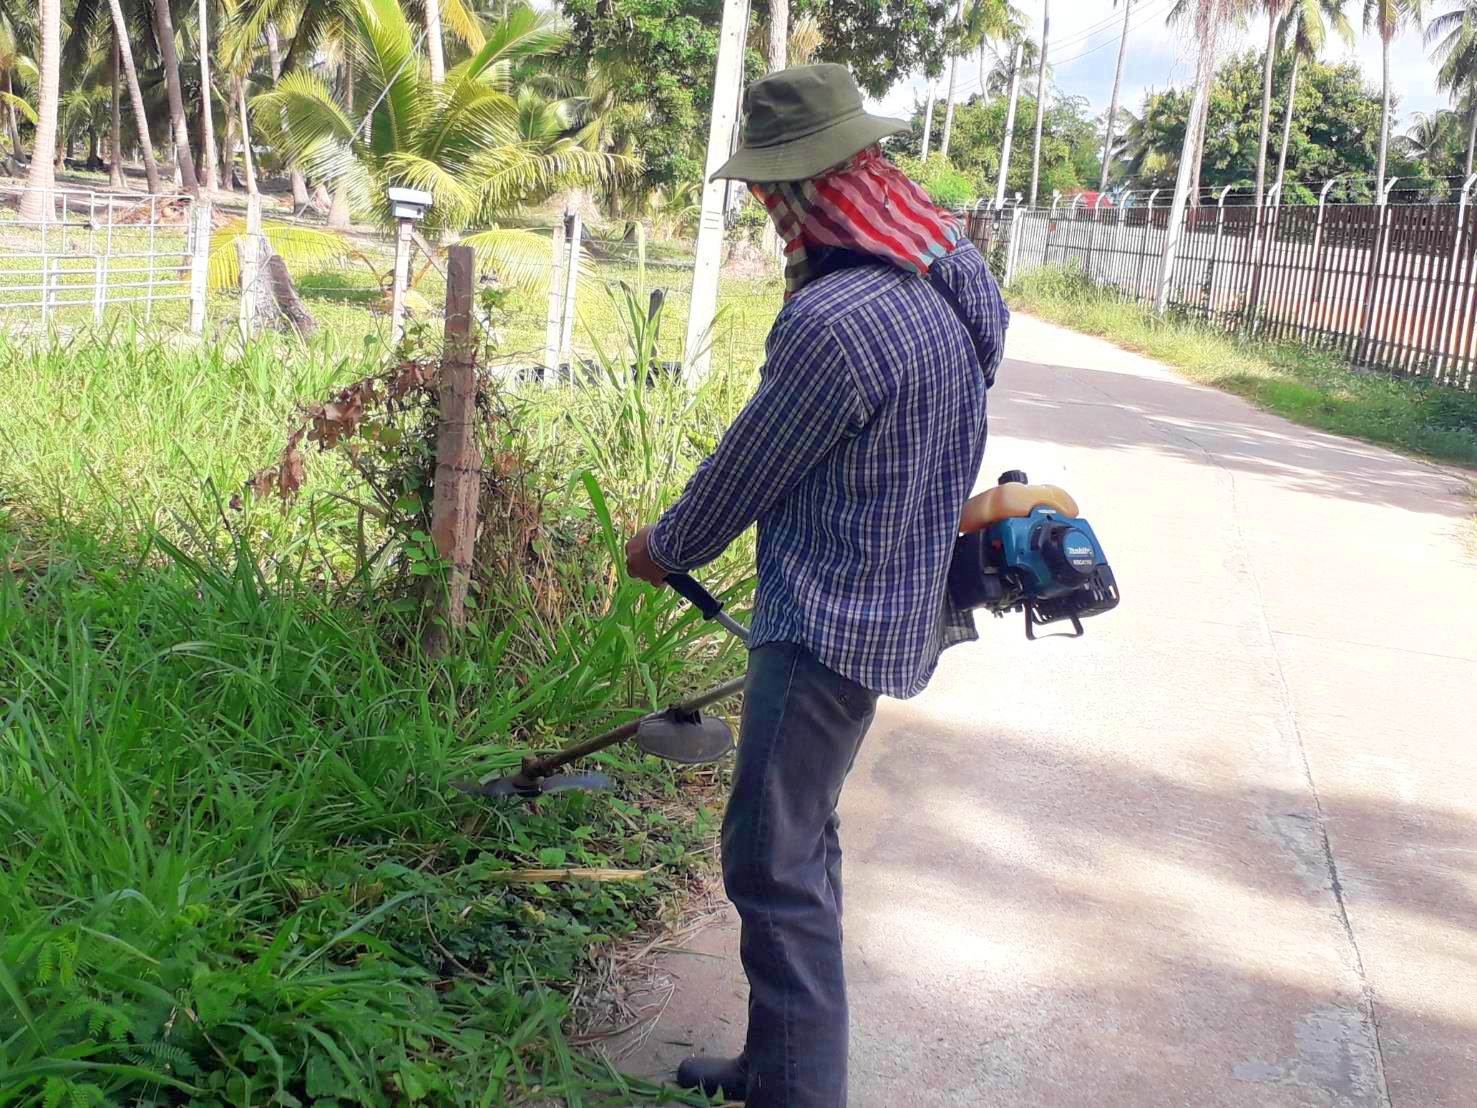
x=571, y=289
x=199, y=265
x=554, y=317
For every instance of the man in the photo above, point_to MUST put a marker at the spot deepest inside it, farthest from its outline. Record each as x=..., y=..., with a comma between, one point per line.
x=855, y=457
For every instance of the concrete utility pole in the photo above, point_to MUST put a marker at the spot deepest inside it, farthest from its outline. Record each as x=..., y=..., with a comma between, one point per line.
x=1040, y=99
x=727, y=81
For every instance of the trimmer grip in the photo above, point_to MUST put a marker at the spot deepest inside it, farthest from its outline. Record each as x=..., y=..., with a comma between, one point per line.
x=688, y=587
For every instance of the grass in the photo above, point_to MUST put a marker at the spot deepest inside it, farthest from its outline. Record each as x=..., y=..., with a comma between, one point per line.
x=231, y=868
x=1309, y=387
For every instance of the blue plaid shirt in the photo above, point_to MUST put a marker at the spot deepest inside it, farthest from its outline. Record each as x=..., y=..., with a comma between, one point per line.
x=855, y=456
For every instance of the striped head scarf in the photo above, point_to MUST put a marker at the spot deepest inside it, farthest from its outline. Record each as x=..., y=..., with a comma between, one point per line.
x=866, y=204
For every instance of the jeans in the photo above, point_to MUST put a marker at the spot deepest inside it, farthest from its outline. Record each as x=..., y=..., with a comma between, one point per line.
x=802, y=727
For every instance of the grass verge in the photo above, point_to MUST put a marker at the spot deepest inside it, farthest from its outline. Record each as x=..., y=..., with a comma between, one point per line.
x=1313, y=388
x=231, y=870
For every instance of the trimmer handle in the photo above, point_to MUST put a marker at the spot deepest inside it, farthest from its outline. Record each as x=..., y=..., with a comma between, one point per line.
x=691, y=590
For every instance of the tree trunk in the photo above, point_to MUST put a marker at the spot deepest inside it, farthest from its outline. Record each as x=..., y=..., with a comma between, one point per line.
x=338, y=213
x=15, y=128
x=164, y=30
x=1102, y=184
x=953, y=83
x=115, y=132
x=1267, y=66
x=779, y=34
x=928, y=116
x=301, y=201
x=1384, y=119
x=207, y=110
x=135, y=98
x=247, y=160
x=38, y=205
x=1015, y=95
x=1471, y=134
x=1204, y=76
x=228, y=148
x=1040, y=101
x=433, y=42
x=1292, y=93
x=1202, y=128
x=285, y=293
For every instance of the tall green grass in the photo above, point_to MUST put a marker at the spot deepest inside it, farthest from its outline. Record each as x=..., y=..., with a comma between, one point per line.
x=1314, y=388
x=231, y=868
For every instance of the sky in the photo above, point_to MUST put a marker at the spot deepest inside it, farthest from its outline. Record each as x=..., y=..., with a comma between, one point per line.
x=1084, y=51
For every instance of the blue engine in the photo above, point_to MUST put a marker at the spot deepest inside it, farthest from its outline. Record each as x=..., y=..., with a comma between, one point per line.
x=1048, y=564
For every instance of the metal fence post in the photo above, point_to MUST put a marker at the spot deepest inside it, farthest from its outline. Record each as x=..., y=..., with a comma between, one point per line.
x=199, y=264
x=1215, y=259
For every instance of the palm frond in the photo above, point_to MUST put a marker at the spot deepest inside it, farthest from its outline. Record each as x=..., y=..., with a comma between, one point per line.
x=298, y=246
x=19, y=104
x=462, y=22
x=518, y=257
x=521, y=35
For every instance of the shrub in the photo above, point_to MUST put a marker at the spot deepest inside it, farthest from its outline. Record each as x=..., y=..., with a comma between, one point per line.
x=946, y=185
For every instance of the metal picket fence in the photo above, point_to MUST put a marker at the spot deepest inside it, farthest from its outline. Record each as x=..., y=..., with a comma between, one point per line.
x=1385, y=286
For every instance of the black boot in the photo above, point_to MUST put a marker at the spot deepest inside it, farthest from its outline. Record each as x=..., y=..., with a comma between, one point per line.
x=727, y=1077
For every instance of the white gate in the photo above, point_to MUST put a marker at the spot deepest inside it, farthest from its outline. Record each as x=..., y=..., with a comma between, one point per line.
x=102, y=256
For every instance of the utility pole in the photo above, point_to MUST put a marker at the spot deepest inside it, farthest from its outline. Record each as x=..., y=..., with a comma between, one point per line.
x=1040, y=99
x=1015, y=95
x=727, y=79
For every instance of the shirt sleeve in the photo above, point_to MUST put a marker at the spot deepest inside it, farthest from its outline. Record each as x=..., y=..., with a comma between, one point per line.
x=806, y=403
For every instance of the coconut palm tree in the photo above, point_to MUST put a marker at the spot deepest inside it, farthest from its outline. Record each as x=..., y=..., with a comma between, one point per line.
x=135, y=96
x=1388, y=18
x=1429, y=138
x=1307, y=25
x=37, y=203
x=15, y=63
x=1274, y=9
x=975, y=27
x=482, y=147
x=1210, y=18
x=1453, y=38
x=169, y=56
x=1102, y=184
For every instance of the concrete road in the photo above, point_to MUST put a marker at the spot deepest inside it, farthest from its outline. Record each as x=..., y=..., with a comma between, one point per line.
x=1220, y=851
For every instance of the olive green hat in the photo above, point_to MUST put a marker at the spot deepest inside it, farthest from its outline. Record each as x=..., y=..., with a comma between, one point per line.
x=800, y=122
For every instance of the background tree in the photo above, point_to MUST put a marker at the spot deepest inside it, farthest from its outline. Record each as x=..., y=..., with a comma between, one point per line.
x=1112, y=118
x=881, y=43
x=169, y=56
x=1387, y=17
x=1307, y=25
x=1453, y=37
x=37, y=203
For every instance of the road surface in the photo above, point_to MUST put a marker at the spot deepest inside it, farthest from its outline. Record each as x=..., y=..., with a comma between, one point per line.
x=1220, y=851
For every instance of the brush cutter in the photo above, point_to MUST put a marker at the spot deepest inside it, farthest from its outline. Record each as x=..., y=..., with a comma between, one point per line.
x=681, y=733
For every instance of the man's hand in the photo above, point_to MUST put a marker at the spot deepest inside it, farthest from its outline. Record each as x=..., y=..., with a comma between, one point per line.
x=638, y=559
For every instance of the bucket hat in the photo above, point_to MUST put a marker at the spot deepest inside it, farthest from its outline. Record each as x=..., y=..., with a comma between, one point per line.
x=800, y=122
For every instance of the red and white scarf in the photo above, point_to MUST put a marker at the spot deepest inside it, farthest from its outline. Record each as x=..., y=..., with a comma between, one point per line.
x=865, y=204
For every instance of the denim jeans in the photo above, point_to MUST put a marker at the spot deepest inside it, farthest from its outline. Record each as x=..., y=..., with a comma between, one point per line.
x=802, y=727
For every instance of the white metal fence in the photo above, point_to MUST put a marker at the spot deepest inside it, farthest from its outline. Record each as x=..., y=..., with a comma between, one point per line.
x=97, y=256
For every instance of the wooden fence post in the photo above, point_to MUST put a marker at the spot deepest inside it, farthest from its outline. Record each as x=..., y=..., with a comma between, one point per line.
x=458, y=460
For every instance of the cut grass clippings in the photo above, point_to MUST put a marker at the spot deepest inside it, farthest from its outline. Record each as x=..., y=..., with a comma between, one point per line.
x=1310, y=387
